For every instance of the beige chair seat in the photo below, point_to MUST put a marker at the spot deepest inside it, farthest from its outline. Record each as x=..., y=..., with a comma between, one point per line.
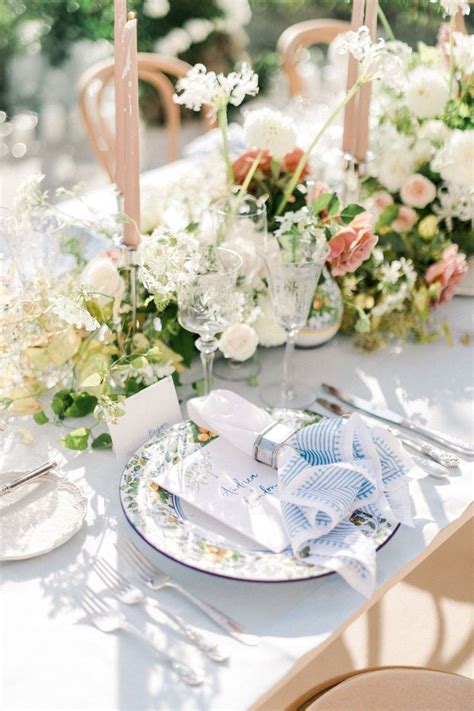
x=398, y=690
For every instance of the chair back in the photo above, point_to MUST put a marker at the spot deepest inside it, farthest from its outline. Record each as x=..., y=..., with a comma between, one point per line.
x=301, y=36
x=98, y=79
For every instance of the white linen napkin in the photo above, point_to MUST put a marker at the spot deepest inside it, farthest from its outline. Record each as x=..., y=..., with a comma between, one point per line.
x=326, y=472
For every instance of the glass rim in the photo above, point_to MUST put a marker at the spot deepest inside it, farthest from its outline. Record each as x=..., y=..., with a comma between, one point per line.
x=259, y=211
x=224, y=272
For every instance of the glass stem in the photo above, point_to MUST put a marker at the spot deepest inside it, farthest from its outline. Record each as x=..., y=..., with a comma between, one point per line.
x=207, y=348
x=288, y=366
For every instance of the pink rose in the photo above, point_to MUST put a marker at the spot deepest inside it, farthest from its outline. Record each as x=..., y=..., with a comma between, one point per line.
x=448, y=273
x=418, y=191
x=405, y=220
x=352, y=245
x=379, y=201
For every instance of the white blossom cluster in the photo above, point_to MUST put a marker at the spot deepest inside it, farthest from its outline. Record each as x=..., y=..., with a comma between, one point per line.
x=203, y=88
x=375, y=60
x=235, y=15
x=452, y=7
x=299, y=240
x=396, y=281
x=164, y=256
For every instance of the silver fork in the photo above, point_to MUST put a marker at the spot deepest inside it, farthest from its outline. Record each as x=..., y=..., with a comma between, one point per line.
x=155, y=579
x=106, y=619
x=131, y=595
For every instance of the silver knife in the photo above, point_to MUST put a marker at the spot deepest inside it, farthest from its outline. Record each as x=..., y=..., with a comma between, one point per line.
x=454, y=443
x=446, y=459
x=27, y=477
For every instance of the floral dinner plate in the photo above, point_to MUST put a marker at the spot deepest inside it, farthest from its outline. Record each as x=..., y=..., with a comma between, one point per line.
x=183, y=533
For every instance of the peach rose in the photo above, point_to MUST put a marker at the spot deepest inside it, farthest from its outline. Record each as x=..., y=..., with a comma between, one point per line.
x=379, y=201
x=352, y=245
x=448, y=273
x=243, y=163
x=405, y=220
x=418, y=191
x=291, y=160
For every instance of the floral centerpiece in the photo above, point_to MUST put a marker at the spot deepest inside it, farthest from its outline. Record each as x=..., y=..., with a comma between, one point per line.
x=104, y=356
x=419, y=188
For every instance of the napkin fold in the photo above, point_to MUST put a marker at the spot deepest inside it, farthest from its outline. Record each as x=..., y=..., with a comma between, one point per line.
x=326, y=472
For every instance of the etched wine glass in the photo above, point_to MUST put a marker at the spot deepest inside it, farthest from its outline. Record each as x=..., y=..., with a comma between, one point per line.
x=292, y=285
x=241, y=225
x=206, y=302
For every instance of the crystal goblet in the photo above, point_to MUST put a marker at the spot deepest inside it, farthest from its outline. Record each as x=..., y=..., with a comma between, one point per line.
x=206, y=302
x=241, y=225
x=292, y=286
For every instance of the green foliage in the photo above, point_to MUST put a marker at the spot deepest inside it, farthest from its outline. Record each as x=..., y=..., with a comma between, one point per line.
x=387, y=216
x=77, y=439
x=103, y=441
x=41, y=417
x=69, y=403
x=349, y=212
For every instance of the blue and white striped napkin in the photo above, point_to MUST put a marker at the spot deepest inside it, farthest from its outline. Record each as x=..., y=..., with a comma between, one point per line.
x=326, y=471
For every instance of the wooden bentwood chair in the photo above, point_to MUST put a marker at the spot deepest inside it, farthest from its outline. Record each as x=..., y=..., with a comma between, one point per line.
x=98, y=79
x=301, y=36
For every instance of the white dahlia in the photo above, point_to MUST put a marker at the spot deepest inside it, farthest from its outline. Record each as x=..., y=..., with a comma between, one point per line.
x=427, y=92
x=455, y=161
x=269, y=130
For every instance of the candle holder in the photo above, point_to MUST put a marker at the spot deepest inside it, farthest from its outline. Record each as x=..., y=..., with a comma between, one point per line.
x=354, y=173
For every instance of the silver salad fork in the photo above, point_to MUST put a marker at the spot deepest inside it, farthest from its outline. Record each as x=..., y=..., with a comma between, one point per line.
x=155, y=579
x=131, y=595
x=106, y=619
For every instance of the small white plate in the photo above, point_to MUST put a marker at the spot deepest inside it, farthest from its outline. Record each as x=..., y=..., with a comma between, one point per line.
x=38, y=517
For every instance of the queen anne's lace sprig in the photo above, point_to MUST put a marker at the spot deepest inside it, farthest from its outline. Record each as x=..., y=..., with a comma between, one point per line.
x=299, y=239
x=375, y=60
x=202, y=88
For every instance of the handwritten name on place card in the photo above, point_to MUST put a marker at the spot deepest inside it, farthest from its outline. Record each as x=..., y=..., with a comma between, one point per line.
x=230, y=486
x=147, y=413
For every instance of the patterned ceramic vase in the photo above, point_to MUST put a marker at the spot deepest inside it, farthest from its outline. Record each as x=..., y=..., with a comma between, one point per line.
x=325, y=316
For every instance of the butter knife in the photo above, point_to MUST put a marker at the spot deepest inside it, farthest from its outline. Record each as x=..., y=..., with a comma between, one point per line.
x=27, y=477
x=446, y=459
x=454, y=443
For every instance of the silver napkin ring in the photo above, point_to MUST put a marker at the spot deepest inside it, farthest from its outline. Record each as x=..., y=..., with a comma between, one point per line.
x=270, y=441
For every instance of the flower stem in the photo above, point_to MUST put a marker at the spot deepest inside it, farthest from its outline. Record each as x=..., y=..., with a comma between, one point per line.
x=249, y=176
x=304, y=158
x=223, y=125
x=452, y=25
x=386, y=25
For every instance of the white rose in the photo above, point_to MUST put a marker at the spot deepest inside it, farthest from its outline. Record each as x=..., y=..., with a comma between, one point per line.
x=455, y=160
x=103, y=276
x=427, y=92
x=434, y=130
x=269, y=130
x=423, y=152
x=269, y=331
x=394, y=169
x=238, y=342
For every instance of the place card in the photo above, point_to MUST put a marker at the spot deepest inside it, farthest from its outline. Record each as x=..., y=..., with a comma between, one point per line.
x=232, y=487
x=147, y=413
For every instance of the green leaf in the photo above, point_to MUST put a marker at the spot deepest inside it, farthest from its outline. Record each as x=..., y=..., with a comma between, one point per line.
x=132, y=387
x=91, y=381
x=334, y=205
x=5, y=402
x=350, y=211
x=252, y=380
x=387, y=216
x=82, y=404
x=60, y=402
x=103, y=441
x=40, y=418
x=77, y=439
x=322, y=202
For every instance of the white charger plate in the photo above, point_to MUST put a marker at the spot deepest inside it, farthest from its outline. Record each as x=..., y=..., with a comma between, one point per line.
x=183, y=533
x=38, y=517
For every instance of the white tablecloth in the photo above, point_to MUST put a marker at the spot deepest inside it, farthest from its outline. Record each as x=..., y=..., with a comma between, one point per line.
x=52, y=660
